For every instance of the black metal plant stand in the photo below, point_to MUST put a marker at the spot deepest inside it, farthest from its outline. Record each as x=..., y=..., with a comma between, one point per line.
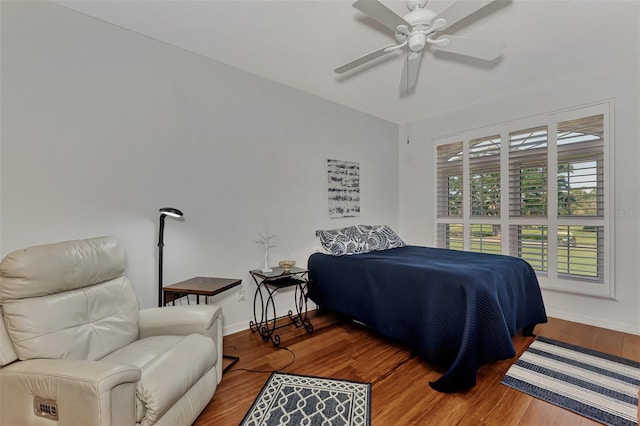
x=264, y=307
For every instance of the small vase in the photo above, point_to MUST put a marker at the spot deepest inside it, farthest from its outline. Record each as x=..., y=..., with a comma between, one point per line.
x=266, y=262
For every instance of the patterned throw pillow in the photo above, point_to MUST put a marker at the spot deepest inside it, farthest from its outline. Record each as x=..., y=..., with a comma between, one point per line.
x=379, y=237
x=359, y=239
x=341, y=241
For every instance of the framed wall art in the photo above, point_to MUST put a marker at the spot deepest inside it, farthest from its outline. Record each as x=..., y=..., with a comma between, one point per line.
x=344, y=188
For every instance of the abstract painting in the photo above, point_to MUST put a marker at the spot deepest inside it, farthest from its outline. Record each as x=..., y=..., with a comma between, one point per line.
x=344, y=188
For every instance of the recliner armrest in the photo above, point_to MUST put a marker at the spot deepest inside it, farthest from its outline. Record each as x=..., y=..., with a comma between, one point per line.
x=184, y=320
x=85, y=392
x=179, y=320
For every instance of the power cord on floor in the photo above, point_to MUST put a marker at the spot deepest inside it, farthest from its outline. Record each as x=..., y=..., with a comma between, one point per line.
x=293, y=359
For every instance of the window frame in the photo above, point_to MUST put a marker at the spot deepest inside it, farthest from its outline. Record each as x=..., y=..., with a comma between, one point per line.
x=551, y=279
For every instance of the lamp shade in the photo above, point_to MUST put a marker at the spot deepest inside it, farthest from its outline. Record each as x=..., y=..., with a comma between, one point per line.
x=164, y=212
x=170, y=211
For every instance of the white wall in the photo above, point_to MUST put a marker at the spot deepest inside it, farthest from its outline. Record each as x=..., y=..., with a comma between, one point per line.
x=101, y=127
x=619, y=82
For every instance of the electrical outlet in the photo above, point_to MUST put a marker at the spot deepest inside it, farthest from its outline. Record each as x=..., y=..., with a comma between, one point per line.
x=241, y=294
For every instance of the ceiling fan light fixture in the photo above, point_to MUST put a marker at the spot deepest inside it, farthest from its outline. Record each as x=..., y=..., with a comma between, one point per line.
x=417, y=41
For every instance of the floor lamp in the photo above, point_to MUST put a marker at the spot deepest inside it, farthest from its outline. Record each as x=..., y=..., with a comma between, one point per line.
x=164, y=212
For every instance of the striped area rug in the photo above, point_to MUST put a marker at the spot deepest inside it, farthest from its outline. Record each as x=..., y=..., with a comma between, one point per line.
x=599, y=386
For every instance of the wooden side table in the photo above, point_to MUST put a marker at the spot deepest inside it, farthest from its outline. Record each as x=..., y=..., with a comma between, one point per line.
x=201, y=286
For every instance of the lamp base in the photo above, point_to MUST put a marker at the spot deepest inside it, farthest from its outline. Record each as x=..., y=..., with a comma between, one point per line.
x=267, y=270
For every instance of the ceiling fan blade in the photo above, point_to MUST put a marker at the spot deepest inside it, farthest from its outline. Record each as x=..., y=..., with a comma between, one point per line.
x=410, y=71
x=460, y=10
x=381, y=13
x=480, y=49
x=366, y=58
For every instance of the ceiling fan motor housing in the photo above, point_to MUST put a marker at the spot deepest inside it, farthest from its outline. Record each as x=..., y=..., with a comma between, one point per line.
x=420, y=17
x=420, y=20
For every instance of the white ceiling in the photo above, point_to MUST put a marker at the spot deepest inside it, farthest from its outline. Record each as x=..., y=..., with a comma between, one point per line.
x=300, y=42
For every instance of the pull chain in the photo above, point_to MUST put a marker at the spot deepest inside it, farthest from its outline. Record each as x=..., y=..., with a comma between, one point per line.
x=407, y=91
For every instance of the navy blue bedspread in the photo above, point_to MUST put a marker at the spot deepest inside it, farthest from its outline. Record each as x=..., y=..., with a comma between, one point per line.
x=457, y=310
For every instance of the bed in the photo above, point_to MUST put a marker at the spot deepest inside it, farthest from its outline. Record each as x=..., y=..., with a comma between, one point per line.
x=457, y=310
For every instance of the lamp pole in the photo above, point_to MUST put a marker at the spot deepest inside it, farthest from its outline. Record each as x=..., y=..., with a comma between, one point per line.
x=164, y=212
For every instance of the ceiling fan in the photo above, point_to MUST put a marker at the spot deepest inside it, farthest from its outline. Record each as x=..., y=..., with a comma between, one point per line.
x=421, y=28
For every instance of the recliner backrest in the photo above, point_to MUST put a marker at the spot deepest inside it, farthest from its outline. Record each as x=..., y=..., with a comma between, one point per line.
x=68, y=300
x=7, y=353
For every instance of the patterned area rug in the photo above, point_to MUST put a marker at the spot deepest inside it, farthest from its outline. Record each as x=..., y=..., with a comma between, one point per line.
x=599, y=386
x=291, y=399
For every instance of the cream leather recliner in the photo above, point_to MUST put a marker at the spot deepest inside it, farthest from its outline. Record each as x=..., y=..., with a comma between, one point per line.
x=75, y=349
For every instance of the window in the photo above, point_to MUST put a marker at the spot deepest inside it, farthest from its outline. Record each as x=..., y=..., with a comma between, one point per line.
x=528, y=172
x=450, y=180
x=485, y=238
x=580, y=252
x=581, y=167
x=484, y=171
x=535, y=189
x=450, y=236
x=529, y=242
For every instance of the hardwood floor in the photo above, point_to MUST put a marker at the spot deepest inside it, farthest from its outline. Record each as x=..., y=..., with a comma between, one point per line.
x=401, y=394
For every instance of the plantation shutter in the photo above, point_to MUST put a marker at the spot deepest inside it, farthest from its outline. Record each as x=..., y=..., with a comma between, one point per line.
x=581, y=167
x=449, y=236
x=528, y=195
x=484, y=179
x=581, y=198
x=536, y=188
x=529, y=242
x=449, y=180
x=485, y=238
x=528, y=172
x=581, y=252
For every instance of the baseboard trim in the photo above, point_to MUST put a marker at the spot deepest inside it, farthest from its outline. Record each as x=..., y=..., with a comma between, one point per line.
x=596, y=322
x=555, y=313
x=244, y=325
x=234, y=328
